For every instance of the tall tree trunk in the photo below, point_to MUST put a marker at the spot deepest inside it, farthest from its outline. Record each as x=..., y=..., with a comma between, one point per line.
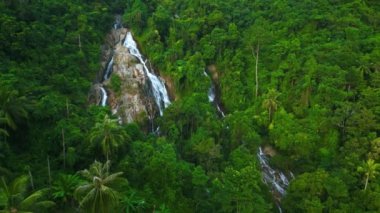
x=67, y=108
x=255, y=54
x=31, y=178
x=257, y=63
x=49, y=173
x=79, y=43
x=366, y=183
x=64, y=149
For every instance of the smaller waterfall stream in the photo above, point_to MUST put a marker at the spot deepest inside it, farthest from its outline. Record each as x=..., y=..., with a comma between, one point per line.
x=158, y=87
x=108, y=71
x=104, y=96
x=276, y=180
x=211, y=93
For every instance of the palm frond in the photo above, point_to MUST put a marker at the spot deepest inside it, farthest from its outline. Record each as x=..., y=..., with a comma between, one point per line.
x=19, y=185
x=45, y=204
x=112, y=177
x=29, y=201
x=82, y=190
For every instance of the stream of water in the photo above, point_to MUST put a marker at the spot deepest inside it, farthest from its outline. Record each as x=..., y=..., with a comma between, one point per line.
x=274, y=179
x=158, y=88
x=159, y=91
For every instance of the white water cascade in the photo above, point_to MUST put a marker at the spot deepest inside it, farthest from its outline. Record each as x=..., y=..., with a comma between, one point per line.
x=212, y=94
x=104, y=96
x=158, y=87
x=276, y=180
x=108, y=70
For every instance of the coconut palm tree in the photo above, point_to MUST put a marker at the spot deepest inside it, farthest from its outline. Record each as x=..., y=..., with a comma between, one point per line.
x=3, y=121
x=97, y=195
x=271, y=103
x=109, y=134
x=369, y=168
x=63, y=189
x=14, y=197
x=13, y=107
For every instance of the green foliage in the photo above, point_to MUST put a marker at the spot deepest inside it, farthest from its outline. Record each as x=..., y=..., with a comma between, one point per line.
x=14, y=196
x=317, y=105
x=98, y=193
x=108, y=135
x=63, y=189
x=116, y=84
x=238, y=190
x=316, y=192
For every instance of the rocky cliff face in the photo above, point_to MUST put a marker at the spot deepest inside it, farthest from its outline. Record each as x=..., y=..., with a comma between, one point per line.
x=124, y=80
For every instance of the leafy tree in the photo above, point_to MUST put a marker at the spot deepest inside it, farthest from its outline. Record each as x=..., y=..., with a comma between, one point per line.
x=132, y=202
x=238, y=190
x=315, y=192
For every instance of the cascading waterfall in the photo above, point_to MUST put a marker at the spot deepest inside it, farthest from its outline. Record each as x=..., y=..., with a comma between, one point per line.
x=117, y=24
x=105, y=77
x=108, y=70
x=159, y=91
x=158, y=87
x=275, y=179
x=211, y=93
x=104, y=96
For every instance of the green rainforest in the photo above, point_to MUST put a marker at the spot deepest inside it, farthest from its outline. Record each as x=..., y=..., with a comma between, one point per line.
x=183, y=106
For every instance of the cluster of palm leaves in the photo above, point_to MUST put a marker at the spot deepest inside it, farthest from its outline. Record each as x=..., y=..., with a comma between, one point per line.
x=15, y=197
x=99, y=193
x=13, y=111
x=109, y=135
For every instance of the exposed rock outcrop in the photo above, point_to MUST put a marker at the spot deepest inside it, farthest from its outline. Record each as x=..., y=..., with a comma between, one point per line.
x=127, y=87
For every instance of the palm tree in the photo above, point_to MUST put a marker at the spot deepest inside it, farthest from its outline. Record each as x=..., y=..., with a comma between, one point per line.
x=13, y=107
x=97, y=194
x=109, y=134
x=370, y=170
x=271, y=103
x=13, y=197
x=132, y=202
x=3, y=121
x=63, y=189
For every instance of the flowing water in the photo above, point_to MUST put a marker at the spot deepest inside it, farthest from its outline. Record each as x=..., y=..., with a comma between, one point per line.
x=104, y=96
x=273, y=178
x=108, y=71
x=159, y=91
x=211, y=93
x=276, y=180
x=158, y=87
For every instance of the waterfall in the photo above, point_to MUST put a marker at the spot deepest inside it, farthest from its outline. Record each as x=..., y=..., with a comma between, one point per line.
x=211, y=93
x=104, y=96
x=108, y=70
x=158, y=87
x=275, y=179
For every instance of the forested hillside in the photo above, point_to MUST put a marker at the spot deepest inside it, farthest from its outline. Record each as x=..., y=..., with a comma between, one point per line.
x=292, y=83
